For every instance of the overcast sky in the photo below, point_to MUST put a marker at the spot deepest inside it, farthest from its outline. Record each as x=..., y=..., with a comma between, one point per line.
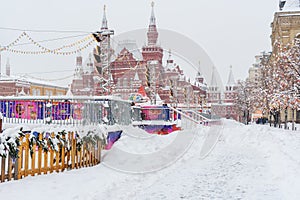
x=231, y=32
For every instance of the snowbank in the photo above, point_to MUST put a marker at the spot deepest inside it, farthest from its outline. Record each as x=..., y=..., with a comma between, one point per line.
x=247, y=162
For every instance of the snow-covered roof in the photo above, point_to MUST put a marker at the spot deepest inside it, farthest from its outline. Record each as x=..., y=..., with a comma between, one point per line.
x=25, y=78
x=290, y=5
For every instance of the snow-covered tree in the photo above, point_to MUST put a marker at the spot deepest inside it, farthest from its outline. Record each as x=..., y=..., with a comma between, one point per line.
x=244, y=100
x=280, y=84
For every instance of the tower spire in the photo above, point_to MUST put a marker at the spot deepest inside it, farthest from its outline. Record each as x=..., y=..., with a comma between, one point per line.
x=199, y=77
x=199, y=69
x=104, y=20
x=170, y=60
x=152, y=18
x=213, y=82
x=231, y=81
x=152, y=33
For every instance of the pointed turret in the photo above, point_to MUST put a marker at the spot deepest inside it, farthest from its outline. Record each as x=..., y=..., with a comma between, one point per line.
x=170, y=60
x=199, y=76
x=152, y=18
x=231, y=81
x=214, y=93
x=136, y=77
x=89, y=64
x=152, y=51
x=152, y=33
x=230, y=92
x=213, y=82
x=79, y=68
x=104, y=20
x=79, y=59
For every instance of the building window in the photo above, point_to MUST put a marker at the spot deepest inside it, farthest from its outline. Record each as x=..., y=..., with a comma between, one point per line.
x=48, y=93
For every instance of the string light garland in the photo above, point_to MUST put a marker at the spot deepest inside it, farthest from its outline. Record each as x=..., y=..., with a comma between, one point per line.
x=87, y=41
x=49, y=80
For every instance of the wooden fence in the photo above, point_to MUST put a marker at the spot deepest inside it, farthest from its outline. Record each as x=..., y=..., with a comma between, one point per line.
x=41, y=161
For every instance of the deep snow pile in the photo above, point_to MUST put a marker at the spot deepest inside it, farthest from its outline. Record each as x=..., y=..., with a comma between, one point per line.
x=247, y=162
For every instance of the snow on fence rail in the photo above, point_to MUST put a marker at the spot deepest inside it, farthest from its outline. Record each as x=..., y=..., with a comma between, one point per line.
x=190, y=118
x=42, y=155
x=64, y=110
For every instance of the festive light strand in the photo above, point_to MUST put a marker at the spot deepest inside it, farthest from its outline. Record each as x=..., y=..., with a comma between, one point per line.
x=50, y=80
x=43, y=50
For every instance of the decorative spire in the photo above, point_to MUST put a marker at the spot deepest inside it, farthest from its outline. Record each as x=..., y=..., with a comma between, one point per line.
x=170, y=60
x=79, y=68
x=199, y=77
x=79, y=59
x=136, y=77
x=231, y=81
x=152, y=18
x=152, y=32
x=104, y=20
x=199, y=69
x=213, y=82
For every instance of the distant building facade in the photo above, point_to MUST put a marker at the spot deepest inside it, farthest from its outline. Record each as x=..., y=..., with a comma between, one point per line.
x=225, y=107
x=22, y=86
x=285, y=28
x=140, y=73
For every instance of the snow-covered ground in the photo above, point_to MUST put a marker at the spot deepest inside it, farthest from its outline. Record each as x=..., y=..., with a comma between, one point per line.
x=246, y=162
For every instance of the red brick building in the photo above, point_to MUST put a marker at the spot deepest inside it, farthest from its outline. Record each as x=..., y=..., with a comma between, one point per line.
x=128, y=74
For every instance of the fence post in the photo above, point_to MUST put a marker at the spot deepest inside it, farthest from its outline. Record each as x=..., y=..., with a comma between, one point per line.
x=93, y=156
x=83, y=158
x=9, y=168
x=40, y=152
x=26, y=155
x=63, y=158
x=69, y=151
x=57, y=160
x=51, y=154
x=33, y=160
x=73, y=150
x=3, y=169
x=19, y=162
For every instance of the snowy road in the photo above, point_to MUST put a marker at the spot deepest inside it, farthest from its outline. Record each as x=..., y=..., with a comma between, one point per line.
x=247, y=162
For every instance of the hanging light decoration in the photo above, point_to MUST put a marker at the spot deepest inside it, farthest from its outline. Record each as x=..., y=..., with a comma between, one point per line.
x=87, y=41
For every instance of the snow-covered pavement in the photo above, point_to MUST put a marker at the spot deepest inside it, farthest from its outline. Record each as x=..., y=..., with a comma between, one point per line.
x=247, y=162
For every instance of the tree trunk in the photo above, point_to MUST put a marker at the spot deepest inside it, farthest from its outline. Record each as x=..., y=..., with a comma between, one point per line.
x=293, y=119
x=247, y=117
x=285, y=118
x=275, y=115
x=270, y=118
x=279, y=119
